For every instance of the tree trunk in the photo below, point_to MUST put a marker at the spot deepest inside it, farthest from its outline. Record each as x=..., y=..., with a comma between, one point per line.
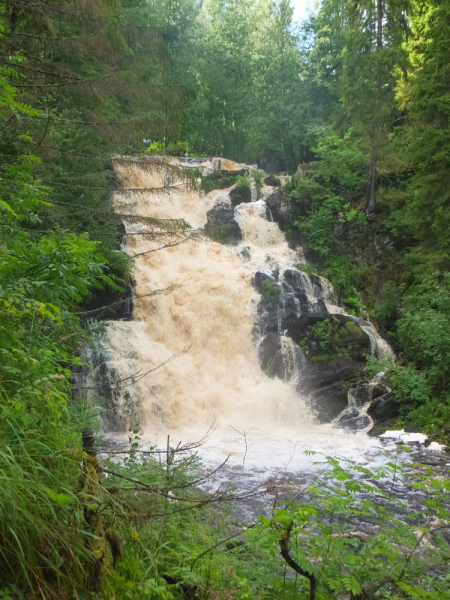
x=379, y=38
x=371, y=198
x=371, y=201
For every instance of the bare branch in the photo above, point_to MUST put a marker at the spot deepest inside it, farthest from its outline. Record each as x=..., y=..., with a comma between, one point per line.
x=284, y=550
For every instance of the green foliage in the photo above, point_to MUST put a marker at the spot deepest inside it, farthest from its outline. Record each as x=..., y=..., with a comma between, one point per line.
x=388, y=306
x=319, y=535
x=424, y=90
x=425, y=326
x=155, y=149
x=336, y=340
x=432, y=417
x=221, y=234
x=307, y=268
x=271, y=292
x=410, y=386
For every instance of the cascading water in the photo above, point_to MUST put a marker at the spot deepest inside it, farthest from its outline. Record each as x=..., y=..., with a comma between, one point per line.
x=210, y=318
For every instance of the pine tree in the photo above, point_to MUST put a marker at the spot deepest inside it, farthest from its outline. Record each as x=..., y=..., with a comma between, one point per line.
x=424, y=92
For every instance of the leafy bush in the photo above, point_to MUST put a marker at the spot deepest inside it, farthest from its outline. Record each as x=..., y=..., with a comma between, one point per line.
x=221, y=234
x=307, y=268
x=271, y=292
x=409, y=384
x=155, y=148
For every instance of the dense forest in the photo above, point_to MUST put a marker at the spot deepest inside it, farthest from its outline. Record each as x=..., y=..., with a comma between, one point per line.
x=354, y=105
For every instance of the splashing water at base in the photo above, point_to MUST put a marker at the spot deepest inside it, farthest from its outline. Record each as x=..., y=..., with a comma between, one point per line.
x=218, y=382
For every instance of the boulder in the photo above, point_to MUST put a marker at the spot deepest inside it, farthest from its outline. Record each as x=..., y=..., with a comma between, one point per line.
x=260, y=277
x=222, y=225
x=355, y=343
x=274, y=208
x=268, y=348
x=384, y=408
x=272, y=181
x=327, y=401
x=239, y=194
x=366, y=392
x=330, y=372
x=289, y=308
x=352, y=419
x=286, y=363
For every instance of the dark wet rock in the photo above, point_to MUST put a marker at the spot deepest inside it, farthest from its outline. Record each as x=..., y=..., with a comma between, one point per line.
x=222, y=225
x=288, y=306
x=352, y=340
x=331, y=372
x=272, y=181
x=240, y=194
x=275, y=208
x=268, y=348
x=224, y=178
x=384, y=408
x=246, y=253
x=286, y=363
x=301, y=285
x=271, y=162
x=412, y=429
x=380, y=428
x=361, y=394
x=110, y=305
x=366, y=392
x=353, y=419
x=328, y=403
x=267, y=317
x=260, y=277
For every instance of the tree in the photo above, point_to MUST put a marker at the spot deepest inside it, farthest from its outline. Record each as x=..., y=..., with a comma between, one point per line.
x=423, y=92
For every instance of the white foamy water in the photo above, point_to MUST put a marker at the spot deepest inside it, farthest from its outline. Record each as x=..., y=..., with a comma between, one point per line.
x=218, y=382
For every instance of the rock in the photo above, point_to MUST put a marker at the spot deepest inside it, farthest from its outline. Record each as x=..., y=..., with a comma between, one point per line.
x=328, y=402
x=268, y=317
x=260, y=277
x=240, y=194
x=299, y=330
x=270, y=161
x=274, y=208
x=360, y=394
x=412, y=429
x=289, y=308
x=327, y=380
x=268, y=348
x=352, y=419
x=305, y=168
x=285, y=364
x=367, y=392
x=223, y=174
x=379, y=390
x=246, y=253
x=380, y=428
x=222, y=225
x=384, y=408
x=272, y=181
x=304, y=291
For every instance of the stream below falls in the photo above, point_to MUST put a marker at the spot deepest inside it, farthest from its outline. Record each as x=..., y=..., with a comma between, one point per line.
x=216, y=324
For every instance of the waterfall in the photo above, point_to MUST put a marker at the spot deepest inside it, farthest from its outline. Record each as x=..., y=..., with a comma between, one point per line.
x=188, y=360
